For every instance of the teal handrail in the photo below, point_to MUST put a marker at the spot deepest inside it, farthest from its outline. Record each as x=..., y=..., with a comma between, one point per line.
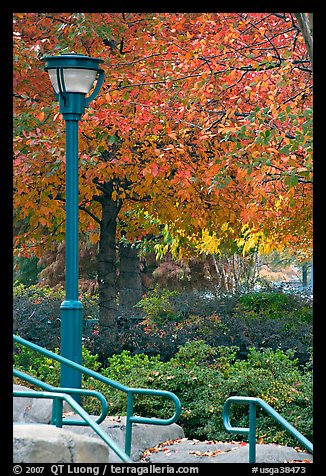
x=253, y=402
x=130, y=418
x=74, y=391
x=58, y=398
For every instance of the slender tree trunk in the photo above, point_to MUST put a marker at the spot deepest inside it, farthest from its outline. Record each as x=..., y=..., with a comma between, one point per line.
x=130, y=279
x=305, y=21
x=305, y=275
x=237, y=272
x=106, y=265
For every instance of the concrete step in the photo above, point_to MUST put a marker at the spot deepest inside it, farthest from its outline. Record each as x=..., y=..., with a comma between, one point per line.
x=143, y=435
x=40, y=443
x=195, y=451
x=35, y=443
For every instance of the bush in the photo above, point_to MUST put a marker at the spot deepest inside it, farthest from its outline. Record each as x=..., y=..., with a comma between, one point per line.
x=37, y=365
x=36, y=313
x=47, y=369
x=275, y=305
x=275, y=377
x=26, y=270
x=203, y=377
x=169, y=320
x=158, y=307
x=262, y=320
x=166, y=339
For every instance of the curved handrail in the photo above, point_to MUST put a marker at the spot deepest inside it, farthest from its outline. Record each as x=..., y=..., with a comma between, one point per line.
x=59, y=397
x=130, y=418
x=251, y=431
x=74, y=391
x=162, y=393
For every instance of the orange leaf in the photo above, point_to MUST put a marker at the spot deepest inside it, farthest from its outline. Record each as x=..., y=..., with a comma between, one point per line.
x=154, y=170
x=41, y=116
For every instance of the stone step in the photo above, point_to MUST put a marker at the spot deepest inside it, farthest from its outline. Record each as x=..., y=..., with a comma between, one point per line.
x=39, y=443
x=32, y=410
x=194, y=451
x=143, y=435
x=35, y=443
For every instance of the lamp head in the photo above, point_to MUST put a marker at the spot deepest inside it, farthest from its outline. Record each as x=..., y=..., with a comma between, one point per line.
x=74, y=74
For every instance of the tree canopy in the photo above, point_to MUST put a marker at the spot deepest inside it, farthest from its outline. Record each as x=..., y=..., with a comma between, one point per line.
x=202, y=131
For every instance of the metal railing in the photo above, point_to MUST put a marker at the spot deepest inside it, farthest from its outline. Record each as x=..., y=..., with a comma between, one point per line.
x=131, y=392
x=58, y=399
x=251, y=431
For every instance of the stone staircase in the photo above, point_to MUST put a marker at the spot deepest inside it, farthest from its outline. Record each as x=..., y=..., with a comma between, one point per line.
x=36, y=441
x=34, y=436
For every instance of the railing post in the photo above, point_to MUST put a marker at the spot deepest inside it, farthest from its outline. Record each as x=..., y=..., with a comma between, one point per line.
x=130, y=409
x=57, y=407
x=252, y=432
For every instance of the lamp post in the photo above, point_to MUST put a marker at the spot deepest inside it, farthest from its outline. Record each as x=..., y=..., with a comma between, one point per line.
x=72, y=76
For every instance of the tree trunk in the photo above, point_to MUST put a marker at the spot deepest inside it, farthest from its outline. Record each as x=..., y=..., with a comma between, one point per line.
x=305, y=21
x=305, y=275
x=106, y=265
x=130, y=279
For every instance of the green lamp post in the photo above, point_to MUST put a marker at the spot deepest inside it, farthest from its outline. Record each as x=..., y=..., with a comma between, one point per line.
x=72, y=76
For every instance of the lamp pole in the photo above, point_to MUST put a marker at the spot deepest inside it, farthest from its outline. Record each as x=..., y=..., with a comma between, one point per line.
x=72, y=77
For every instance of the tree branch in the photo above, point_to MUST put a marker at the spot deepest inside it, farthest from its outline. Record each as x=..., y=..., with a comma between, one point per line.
x=95, y=218
x=81, y=207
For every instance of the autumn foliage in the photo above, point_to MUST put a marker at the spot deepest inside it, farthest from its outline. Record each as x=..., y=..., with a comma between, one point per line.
x=202, y=132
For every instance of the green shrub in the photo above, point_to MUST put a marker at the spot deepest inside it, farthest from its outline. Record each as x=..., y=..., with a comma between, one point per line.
x=203, y=377
x=26, y=270
x=158, y=307
x=47, y=369
x=203, y=389
x=275, y=305
x=275, y=377
x=37, y=365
